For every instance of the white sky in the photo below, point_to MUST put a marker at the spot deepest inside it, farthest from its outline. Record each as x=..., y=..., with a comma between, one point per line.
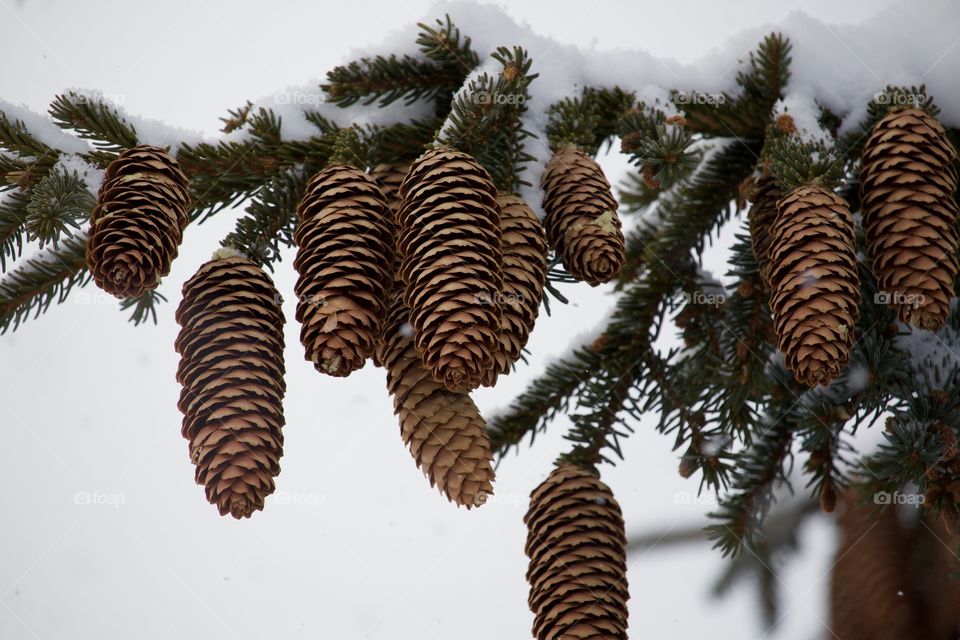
x=364, y=549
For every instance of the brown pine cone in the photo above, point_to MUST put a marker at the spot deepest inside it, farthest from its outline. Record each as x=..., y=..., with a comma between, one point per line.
x=345, y=258
x=578, y=561
x=763, y=211
x=443, y=429
x=907, y=184
x=815, y=285
x=450, y=249
x=389, y=177
x=137, y=225
x=581, y=217
x=872, y=595
x=524, y=273
x=231, y=369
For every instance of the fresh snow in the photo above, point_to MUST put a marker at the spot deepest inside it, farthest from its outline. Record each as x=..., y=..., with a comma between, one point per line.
x=43, y=128
x=91, y=175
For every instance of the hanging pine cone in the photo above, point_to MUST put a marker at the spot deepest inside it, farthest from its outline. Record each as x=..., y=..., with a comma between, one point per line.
x=443, y=429
x=907, y=181
x=815, y=285
x=345, y=247
x=137, y=225
x=581, y=217
x=872, y=594
x=763, y=211
x=578, y=561
x=231, y=369
x=450, y=252
x=524, y=273
x=389, y=177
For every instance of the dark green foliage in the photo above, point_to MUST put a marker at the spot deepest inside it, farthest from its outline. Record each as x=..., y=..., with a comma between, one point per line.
x=92, y=118
x=58, y=204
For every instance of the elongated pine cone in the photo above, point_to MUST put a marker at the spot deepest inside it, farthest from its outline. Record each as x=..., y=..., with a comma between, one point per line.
x=345, y=248
x=578, y=560
x=389, y=177
x=137, y=225
x=524, y=273
x=581, y=217
x=907, y=181
x=231, y=369
x=450, y=251
x=763, y=212
x=872, y=594
x=815, y=285
x=443, y=429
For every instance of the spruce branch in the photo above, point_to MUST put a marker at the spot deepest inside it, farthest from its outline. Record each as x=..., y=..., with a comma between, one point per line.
x=58, y=204
x=37, y=282
x=269, y=219
x=143, y=308
x=93, y=118
x=13, y=214
x=442, y=44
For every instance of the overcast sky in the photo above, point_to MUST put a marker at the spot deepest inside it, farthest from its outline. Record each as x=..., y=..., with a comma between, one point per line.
x=359, y=546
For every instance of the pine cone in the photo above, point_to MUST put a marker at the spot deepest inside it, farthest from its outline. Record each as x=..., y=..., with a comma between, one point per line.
x=231, y=369
x=578, y=566
x=389, y=177
x=450, y=252
x=524, y=273
x=581, y=217
x=137, y=225
x=907, y=182
x=816, y=287
x=345, y=247
x=872, y=595
x=763, y=211
x=443, y=429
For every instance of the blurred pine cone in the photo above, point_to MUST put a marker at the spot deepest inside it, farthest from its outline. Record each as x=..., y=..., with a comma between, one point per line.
x=763, y=212
x=872, y=594
x=345, y=258
x=581, y=217
x=389, y=177
x=524, y=273
x=231, y=369
x=907, y=184
x=137, y=224
x=815, y=285
x=577, y=549
x=443, y=429
x=450, y=251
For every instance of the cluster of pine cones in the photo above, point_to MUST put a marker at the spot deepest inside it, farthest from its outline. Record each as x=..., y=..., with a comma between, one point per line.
x=427, y=270
x=804, y=244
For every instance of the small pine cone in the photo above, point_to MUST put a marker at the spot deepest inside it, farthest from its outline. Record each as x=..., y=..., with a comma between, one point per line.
x=137, y=225
x=872, y=594
x=345, y=248
x=907, y=184
x=578, y=561
x=815, y=285
x=763, y=211
x=443, y=429
x=450, y=249
x=231, y=369
x=389, y=177
x=581, y=217
x=524, y=273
